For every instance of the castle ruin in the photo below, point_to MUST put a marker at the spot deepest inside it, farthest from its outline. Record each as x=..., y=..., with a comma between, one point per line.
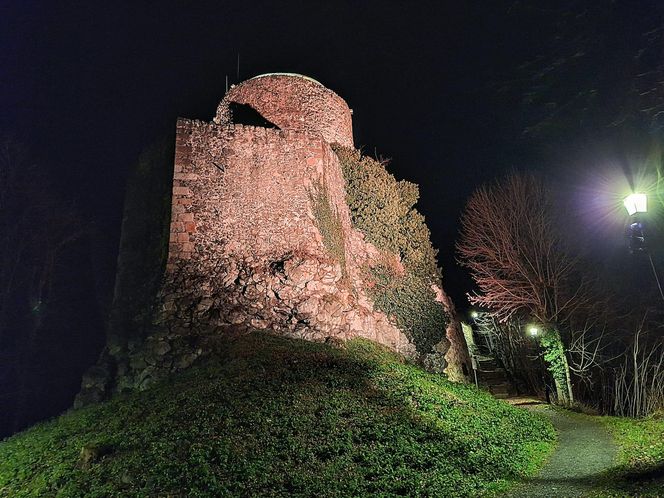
x=248, y=249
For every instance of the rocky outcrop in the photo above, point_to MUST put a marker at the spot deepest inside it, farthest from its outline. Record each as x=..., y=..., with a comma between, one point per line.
x=457, y=357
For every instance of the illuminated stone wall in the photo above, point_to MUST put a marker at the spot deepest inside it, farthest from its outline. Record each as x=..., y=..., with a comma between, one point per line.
x=293, y=102
x=261, y=236
x=243, y=206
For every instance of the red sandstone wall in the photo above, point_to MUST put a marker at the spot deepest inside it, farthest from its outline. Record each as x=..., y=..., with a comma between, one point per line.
x=245, y=249
x=293, y=103
x=258, y=205
x=242, y=200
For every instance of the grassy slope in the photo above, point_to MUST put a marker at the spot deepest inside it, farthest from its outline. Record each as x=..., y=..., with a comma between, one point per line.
x=641, y=457
x=272, y=416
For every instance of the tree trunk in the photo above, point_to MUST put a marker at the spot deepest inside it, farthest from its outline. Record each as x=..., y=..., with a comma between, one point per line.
x=554, y=354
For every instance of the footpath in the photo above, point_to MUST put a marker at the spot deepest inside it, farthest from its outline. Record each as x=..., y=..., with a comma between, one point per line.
x=585, y=449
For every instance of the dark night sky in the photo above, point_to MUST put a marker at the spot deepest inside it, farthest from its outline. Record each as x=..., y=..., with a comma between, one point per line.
x=89, y=85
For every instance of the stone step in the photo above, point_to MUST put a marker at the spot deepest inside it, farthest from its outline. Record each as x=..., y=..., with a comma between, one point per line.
x=500, y=371
x=493, y=377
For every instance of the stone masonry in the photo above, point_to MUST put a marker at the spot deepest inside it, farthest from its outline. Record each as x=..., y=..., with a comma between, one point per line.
x=246, y=251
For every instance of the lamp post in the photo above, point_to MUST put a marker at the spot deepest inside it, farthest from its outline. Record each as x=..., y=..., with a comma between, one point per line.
x=635, y=204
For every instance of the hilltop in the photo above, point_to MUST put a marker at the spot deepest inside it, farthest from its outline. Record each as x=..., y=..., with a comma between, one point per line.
x=271, y=416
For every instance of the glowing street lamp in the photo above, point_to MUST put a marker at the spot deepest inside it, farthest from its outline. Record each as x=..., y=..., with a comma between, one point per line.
x=636, y=203
x=533, y=330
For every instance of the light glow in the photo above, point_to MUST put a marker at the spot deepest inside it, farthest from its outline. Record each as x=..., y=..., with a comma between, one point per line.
x=532, y=330
x=636, y=203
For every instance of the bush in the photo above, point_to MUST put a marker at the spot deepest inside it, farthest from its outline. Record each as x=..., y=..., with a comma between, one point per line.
x=383, y=209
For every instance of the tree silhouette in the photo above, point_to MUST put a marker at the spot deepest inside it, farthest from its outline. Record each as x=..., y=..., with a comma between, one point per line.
x=512, y=245
x=36, y=228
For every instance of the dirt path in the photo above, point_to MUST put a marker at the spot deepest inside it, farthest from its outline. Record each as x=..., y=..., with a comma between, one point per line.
x=584, y=450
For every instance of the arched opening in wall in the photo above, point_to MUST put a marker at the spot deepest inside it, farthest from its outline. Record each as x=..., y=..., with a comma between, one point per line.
x=244, y=114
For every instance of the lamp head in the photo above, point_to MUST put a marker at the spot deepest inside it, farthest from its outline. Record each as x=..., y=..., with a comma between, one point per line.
x=636, y=203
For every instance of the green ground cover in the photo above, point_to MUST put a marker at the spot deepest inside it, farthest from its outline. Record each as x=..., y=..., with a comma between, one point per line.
x=638, y=466
x=269, y=416
x=640, y=470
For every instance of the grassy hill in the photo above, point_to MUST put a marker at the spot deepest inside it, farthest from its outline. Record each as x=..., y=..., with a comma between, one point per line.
x=270, y=416
x=640, y=469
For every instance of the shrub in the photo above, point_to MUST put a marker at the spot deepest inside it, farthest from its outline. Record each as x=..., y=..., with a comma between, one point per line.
x=383, y=209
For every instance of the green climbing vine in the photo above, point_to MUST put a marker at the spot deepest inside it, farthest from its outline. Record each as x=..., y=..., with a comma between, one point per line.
x=328, y=223
x=383, y=209
x=554, y=356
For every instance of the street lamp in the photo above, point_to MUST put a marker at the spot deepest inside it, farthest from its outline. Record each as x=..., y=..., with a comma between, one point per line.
x=635, y=204
x=534, y=330
x=638, y=203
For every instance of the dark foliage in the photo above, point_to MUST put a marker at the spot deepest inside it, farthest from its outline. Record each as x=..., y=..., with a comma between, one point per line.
x=49, y=315
x=383, y=209
x=144, y=240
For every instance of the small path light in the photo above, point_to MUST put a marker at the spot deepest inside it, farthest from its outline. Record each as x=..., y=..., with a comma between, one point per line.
x=535, y=331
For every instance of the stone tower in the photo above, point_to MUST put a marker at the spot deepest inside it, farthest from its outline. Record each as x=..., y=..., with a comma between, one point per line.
x=261, y=235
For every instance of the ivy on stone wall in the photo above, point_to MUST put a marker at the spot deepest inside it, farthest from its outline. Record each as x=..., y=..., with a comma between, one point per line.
x=328, y=223
x=383, y=209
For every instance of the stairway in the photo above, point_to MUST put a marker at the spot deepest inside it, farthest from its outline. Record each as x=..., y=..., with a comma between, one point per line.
x=494, y=378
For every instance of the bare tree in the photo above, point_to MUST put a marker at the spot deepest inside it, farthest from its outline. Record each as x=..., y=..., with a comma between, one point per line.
x=587, y=348
x=516, y=352
x=638, y=388
x=511, y=244
x=515, y=254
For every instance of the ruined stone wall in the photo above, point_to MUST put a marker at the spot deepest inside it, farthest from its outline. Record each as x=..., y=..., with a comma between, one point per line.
x=244, y=191
x=293, y=102
x=243, y=196
x=457, y=357
x=260, y=238
x=247, y=252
